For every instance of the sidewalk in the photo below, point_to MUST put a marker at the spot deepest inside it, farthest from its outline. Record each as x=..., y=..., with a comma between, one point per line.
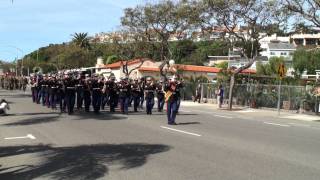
x=256, y=112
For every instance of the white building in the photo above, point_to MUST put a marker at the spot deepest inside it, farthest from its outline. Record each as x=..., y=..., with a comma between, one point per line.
x=273, y=38
x=306, y=39
x=285, y=50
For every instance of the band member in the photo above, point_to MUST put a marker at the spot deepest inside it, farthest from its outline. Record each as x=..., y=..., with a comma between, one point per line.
x=124, y=95
x=149, y=89
x=171, y=97
x=96, y=87
x=33, y=83
x=80, y=91
x=53, y=92
x=61, y=95
x=87, y=93
x=142, y=83
x=105, y=93
x=112, y=88
x=135, y=93
x=70, y=93
x=160, y=95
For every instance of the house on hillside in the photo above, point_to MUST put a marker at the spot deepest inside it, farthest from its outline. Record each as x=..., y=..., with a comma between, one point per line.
x=285, y=50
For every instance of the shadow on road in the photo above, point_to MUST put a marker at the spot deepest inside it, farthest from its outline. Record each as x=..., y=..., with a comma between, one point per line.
x=106, y=116
x=33, y=120
x=15, y=95
x=189, y=123
x=79, y=162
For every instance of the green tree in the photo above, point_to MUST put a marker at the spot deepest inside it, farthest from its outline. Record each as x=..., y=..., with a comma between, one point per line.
x=81, y=40
x=112, y=59
x=306, y=61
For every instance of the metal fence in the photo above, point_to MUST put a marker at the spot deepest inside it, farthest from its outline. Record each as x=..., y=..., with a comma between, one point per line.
x=295, y=98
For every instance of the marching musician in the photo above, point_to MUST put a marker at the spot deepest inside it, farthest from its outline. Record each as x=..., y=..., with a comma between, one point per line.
x=112, y=88
x=96, y=87
x=172, y=97
x=149, y=89
x=87, y=93
x=124, y=94
x=70, y=93
x=135, y=92
x=160, y=95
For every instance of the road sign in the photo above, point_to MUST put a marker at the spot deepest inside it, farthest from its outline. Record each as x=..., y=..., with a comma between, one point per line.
x=281, y=71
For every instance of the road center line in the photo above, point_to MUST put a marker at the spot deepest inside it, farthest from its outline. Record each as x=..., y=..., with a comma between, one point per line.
x=21, y=137
x=177, y=130
x=275, y=124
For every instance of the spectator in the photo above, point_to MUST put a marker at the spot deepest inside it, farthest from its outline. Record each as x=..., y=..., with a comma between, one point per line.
x=220, y=94
x=198, y=93
x=4, y=106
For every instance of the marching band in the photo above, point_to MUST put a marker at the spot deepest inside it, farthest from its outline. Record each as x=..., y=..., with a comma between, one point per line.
x=67, y=90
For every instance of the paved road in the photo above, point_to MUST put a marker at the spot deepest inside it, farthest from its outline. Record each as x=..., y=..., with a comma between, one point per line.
x=206, y=145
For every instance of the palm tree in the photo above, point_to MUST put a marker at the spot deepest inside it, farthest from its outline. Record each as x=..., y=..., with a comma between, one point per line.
x=81, y=40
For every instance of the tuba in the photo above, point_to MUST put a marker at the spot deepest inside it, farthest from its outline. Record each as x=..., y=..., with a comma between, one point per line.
x=167, y=95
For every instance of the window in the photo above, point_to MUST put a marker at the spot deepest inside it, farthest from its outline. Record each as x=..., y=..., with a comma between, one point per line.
x=272, y=53
x=283, y=53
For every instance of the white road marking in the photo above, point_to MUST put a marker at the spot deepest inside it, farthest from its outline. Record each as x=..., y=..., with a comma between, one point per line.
x=302, y=125
x=275, y=124
x=209, y=112
x=228, y=117
x=177, y=130
x=21, y=137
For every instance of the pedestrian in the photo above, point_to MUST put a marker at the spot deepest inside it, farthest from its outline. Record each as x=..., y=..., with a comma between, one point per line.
x=220, y=94
x=4, y=106
x=198, y=93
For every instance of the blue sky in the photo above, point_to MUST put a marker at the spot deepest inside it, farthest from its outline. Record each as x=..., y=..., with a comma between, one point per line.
x=31, y=24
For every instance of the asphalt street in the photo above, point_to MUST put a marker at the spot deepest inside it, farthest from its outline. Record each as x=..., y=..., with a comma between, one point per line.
x=207, y=144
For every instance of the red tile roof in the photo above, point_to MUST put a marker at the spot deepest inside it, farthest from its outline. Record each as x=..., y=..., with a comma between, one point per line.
x=193, y=68
x=198, y=68
x=120, y=63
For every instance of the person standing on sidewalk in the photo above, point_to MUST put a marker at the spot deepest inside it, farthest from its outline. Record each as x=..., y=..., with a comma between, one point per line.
x=220, y=94
x=198, y=93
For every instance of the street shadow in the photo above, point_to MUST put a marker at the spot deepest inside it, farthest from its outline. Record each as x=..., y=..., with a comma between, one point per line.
x=189, y=123
x=15, y=95
x=104, y=116
x=80, y=162
x=33, y=120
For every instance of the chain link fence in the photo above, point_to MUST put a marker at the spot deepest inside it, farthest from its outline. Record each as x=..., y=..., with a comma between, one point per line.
x=292, y=98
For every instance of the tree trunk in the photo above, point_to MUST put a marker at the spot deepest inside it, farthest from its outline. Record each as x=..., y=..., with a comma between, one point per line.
x=231, y=91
